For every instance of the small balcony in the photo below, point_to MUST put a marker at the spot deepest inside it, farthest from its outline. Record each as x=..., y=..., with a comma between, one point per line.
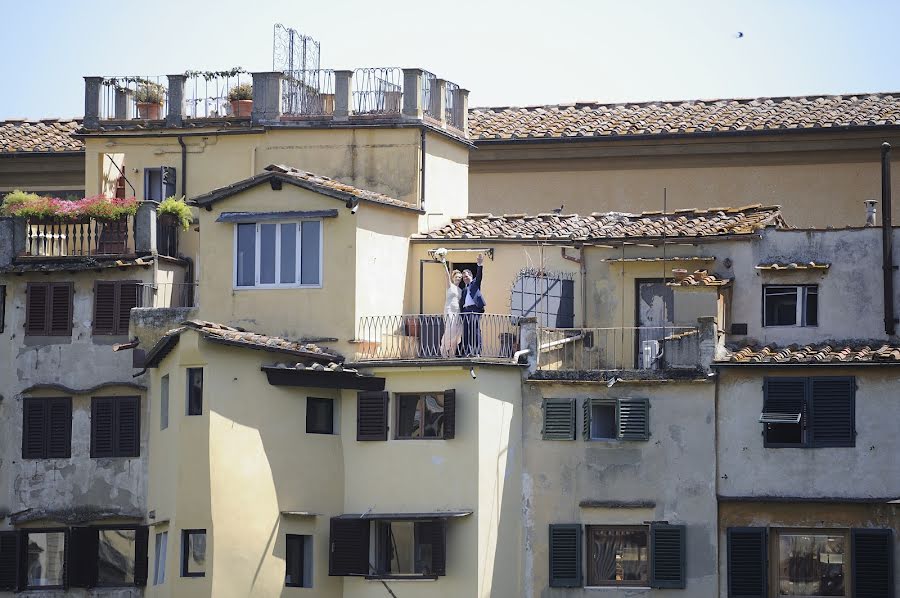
x=87, y=237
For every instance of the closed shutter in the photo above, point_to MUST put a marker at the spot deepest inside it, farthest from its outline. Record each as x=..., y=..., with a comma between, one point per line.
x=873, y=563
x=34, y=432
x=372, y=416
x=833, y=412
x=104, y=307
x=82, y=567
x=141, y=555
x=128, y=427
x=747, y=562
x=559, y=419
x=565, y=555
x=349, y=550
x=61, y=309
x=103, y=416
x=449, y=414
x=2, y=307
x=633, y=417
x=586, y=408
x=129, y=297
x=59, y=428
x=785, y=396
x=667, y=556
x=435, y=533
x=8, y=559
x=37, y=300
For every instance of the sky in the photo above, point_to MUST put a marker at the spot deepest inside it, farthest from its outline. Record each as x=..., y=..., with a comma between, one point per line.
x=519, y=53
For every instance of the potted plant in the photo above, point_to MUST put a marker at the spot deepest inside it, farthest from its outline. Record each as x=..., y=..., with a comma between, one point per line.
x=174, y=210
x=149, y=99
x=241, y=98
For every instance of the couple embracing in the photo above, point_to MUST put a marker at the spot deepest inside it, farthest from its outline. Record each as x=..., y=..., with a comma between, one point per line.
x=463, y=307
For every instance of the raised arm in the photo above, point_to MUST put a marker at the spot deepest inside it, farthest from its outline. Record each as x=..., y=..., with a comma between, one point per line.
x=480, y=270
x=449, y=278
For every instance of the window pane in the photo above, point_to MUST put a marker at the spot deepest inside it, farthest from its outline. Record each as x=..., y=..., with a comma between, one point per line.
x=164, y=402
x=298, y=572
x=288, y=253
x=434, y=416
x=409, y=414
x=115, y=556
x=162, y=539
x=781, y=306
x=46, y=559
x=195, y=391
x=246, y=255
x=267, y=253
x=603, y=421
x=397, y=554
x=319, y=416
x=617, y=556
x=309, y=252
x=811, y=565
x=194, y=558
x=812, y=306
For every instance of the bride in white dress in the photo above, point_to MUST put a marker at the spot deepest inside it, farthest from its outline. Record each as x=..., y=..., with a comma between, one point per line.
x=453, y=325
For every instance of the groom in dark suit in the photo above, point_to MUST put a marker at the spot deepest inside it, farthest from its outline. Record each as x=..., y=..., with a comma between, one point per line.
x=471, y=304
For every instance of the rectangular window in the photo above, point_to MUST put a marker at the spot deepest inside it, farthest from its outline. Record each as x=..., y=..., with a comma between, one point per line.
x=193, y=553
x=116, y=557
x=46, y=559
x=319, y=416
x=616, y=419
x=46, y=428
x=113, y=301
x=298, y=561
x=48, y=309
x=159, y=183
x=791, y=305
x=285, y=254
x=618, y=556
x=408, y=548
x=809, y=412
x=115, y=427
x=420, y=415
x=159, y=560
x=812, y=564
x=195, y=391
x=164, y=402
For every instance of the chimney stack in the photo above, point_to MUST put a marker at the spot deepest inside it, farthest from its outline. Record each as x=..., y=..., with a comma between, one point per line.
x=870, y=211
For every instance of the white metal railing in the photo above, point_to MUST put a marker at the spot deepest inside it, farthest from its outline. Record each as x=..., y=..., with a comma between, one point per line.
x=623, y=348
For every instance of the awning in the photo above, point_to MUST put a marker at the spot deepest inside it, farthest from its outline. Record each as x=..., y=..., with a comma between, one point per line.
x=779, y=418
x=407, y=516
x=321, y=379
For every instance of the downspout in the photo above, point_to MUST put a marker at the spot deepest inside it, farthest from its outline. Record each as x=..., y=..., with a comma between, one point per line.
x=422, y=170
x=580, y=260
x=183, y=166
x=887, y=240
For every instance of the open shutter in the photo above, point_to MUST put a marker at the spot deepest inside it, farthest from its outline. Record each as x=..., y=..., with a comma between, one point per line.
x=34, y=428
x=747, y=562
x=349, y=550
x=36, y=308
x=103, y=415
x=168, y=181
x=667, y=556
x=8, y=559
x=372, y=416
x=435, y=533
x=129, y=297
x=832, y=412
x=565, y=555
x=104, y=307
x=59, y=428
x=128, y=427
x=586, y=419
x=633, y=417
x=872, y=563
x=785, y=397
x=82, y=564
x=61, y=309
x=449, y=414
x=559, y=419
x=141, y=555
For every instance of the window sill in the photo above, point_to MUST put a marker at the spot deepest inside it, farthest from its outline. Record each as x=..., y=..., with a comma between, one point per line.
x=622, y=587
x=269, y=287
x=401, y=577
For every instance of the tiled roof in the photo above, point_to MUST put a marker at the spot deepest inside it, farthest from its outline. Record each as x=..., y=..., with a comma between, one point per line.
x=612, y=225
x=49, y=135
x=317, y=367
x=793, y=266
x=74, y=264
x=832, y=352
x=700, y=278
x=594, y=120
x=684, y=258
x=240, y=337
x=323, y=182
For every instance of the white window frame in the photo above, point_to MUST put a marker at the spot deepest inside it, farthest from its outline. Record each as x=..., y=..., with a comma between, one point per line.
x=160, y=549
x=802, y=292
x=258, y=256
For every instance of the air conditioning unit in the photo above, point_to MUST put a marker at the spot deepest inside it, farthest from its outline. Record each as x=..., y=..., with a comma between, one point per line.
x=650, y=355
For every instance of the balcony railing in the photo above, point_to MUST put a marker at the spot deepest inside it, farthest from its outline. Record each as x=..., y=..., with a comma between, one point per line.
x=643, y=348
x=169, y=294
x=422, y=336
x=378, y=90
x=134, y=96
x=308, y=93
x=206, y=93
x=453, y=114
x=45, y=238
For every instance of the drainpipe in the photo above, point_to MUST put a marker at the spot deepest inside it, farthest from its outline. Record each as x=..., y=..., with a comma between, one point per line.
x=422, y=195
x=183, y=166
x=887, y=240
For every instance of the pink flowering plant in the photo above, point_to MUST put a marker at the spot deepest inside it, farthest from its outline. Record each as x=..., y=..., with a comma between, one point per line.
x=98, y=207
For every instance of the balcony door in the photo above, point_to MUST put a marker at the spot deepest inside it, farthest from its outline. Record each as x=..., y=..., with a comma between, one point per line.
x=654, y=313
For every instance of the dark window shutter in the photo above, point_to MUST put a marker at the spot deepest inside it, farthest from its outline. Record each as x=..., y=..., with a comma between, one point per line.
x=128, y=427
x=36, y=308
x=61, y=309
x=565, y=555
x=747, y=562
x=667, y=556
x=141, y=555
x=2, y=307
x=82, y=566
x=103, y=416
x=586, y=420
x=59, y=428
x=349, y=550
x=833, y=412
x=168, y=181
x=559, y=419
x=22, y=565
x=872, y=563
x=34, y=430
x=633, y=417
x=8, y=558
x=435, y=533
x=104, y=307
x=129, y=297
x=449, y=414
x=372, y=416
x=784, y=395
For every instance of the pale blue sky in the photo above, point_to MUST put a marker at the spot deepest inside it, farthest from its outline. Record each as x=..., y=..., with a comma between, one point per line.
x=519, y=53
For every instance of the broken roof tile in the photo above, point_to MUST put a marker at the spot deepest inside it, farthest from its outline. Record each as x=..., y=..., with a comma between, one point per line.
x=829, y=352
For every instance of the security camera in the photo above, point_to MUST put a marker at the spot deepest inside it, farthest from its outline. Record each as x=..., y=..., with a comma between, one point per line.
x=352, y=205
x=354, y=209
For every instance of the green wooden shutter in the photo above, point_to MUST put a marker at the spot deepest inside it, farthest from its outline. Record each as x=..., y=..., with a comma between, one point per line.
x=747, y=562
x=8, y=560
x=372, y=416
x=872, y=563
x=565, y=555
x=449, y=414
x=83, y=566
x=667, y=548
x=59, y=428
x=832, y=413
x=349, y=549
x=559, y=419
x=141, y=555
x=586, y=420
x=633, y=418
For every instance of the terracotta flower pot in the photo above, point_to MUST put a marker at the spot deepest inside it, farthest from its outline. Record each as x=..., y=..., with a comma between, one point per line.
x=148, y=111
x=679, y=273
x=241, y=107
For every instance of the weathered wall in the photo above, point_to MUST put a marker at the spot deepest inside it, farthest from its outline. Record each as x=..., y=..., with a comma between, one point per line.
x=446, y=181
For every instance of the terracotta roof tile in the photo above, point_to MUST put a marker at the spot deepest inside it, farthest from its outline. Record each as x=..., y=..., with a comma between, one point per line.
x=239, y=336
x=592, y=120
x=612, y=225
x=700, y=278
x=74, y=264
x=327, y=183
x=49, y=135
x=793, y=266
x=830, y=352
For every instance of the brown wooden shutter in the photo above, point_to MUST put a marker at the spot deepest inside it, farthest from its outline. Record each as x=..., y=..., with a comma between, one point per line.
x=128, y=427
x=372, y=416
x=59, y=428
x=8, y=560
x=141, y=555
x=435, y=533
x=104, y=307
x=61, y=308
x=449, y=414
x=83, y=567
x=129, y=297
x=34, y=432
x=349, y=550
x=102, y=427
x=36, y=307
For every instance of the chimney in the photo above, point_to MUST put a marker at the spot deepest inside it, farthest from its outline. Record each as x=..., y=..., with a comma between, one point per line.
x=870, y=211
